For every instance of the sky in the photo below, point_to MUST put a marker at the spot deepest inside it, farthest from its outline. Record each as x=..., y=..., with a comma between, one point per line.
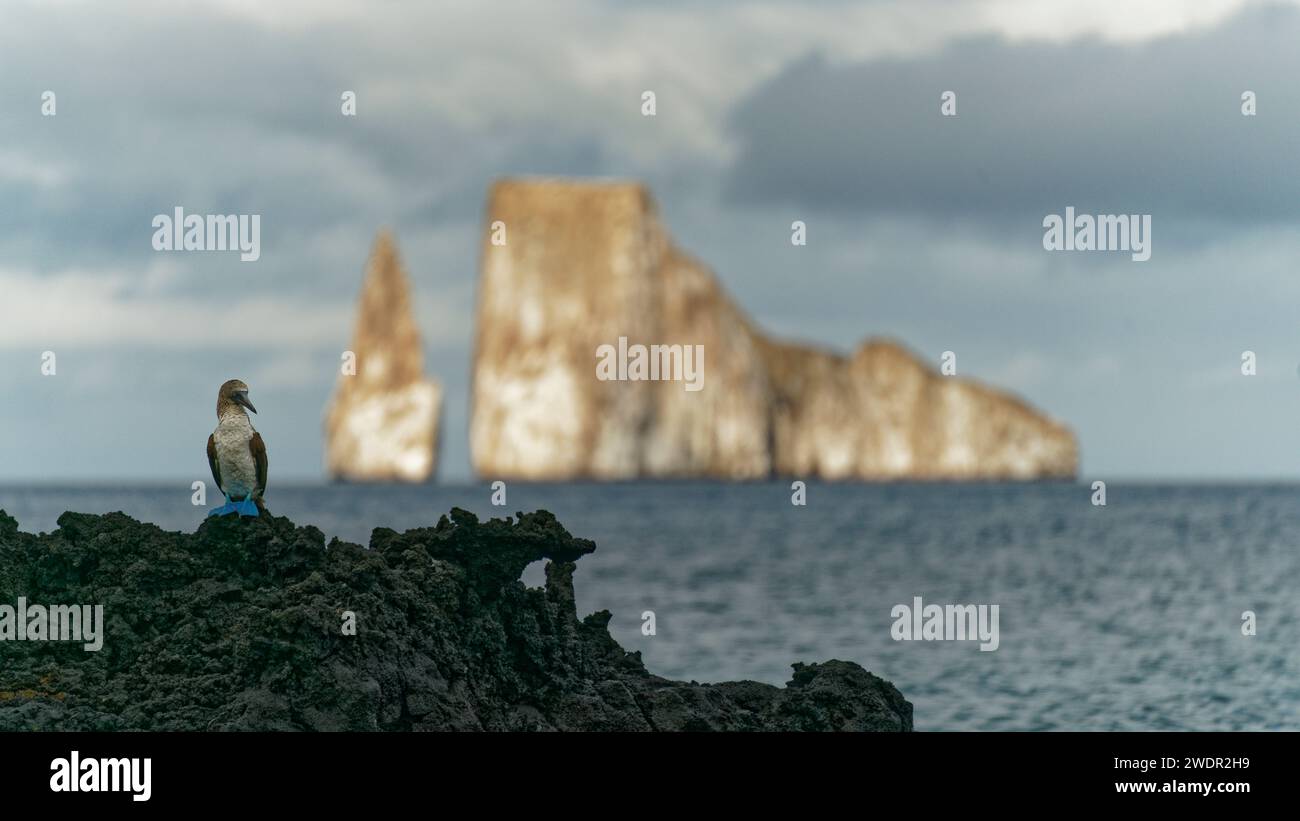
x=921, y=227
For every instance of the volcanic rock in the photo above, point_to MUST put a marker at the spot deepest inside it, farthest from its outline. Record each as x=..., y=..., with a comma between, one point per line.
x=242, y=625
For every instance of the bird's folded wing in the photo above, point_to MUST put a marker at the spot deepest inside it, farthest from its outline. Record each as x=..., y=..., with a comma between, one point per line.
x=258, y=448
x=212, y=461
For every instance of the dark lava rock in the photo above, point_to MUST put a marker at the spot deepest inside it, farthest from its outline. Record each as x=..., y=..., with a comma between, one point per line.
x=239, y=626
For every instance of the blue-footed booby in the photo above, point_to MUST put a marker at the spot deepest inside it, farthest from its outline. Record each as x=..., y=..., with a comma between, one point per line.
x=237, y=454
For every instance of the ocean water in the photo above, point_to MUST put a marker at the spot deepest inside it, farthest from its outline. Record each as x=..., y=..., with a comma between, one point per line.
x=1123, y=617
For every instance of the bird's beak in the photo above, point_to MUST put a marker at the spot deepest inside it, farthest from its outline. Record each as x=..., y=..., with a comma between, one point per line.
x=241, y=398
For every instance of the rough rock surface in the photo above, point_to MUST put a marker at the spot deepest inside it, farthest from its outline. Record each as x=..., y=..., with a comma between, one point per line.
x=587, y=263
x=238, y=626
x=383, y=422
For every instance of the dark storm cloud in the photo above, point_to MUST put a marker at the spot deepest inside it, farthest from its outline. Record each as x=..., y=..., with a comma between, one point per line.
x=1149, y=128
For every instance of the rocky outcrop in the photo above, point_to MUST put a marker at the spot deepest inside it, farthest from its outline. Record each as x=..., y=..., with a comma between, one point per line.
x=383, y=422
x=584, y=264
x=242, y=626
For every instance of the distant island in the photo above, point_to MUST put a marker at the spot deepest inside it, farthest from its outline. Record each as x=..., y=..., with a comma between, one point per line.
x=572, y=269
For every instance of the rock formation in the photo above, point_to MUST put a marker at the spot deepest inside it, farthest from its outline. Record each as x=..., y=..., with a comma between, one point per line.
x=383, y=422
x=584, y=264
x=240, y=626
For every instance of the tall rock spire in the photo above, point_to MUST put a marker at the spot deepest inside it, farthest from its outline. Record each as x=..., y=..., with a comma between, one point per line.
x=382, y=424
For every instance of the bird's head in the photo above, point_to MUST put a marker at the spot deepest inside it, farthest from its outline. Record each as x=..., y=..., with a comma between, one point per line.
x=233, y=394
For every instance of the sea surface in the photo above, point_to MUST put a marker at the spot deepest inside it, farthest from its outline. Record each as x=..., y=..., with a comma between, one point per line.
x=1122, y=617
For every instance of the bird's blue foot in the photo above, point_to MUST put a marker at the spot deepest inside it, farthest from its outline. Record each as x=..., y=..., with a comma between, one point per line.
x=227, y=508
x=247, y=507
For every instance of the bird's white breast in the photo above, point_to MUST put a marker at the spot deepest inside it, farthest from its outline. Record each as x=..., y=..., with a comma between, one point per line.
x=234, y=458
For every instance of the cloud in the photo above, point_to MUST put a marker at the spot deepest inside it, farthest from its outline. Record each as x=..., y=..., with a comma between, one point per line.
x=84, y=308
x=80, y=308
x=20, y=169
x=1154, y=127
x=230, y=106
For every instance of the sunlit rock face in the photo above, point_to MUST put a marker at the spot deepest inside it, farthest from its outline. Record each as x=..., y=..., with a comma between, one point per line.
x=882, y=414
x=583, y=264
x=382, y=424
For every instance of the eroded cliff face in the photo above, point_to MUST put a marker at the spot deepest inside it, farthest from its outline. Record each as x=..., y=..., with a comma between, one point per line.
x=584, y=264
x=382, y=424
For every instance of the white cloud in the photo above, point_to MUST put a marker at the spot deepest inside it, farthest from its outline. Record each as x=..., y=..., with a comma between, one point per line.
x=1122, y=21
x=24, y=169
x=119, y=308
x=82, y=308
